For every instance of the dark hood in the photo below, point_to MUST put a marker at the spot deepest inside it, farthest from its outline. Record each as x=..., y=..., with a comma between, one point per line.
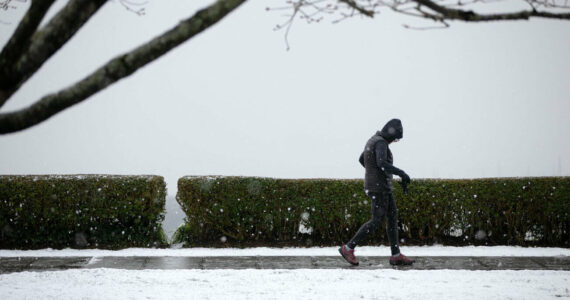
x=392, y=130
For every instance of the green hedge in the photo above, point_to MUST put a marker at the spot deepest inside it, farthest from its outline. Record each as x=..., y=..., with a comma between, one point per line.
x=247, y=211
x=81, y=211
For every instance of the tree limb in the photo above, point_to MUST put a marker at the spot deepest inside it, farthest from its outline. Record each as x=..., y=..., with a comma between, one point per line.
x=470, y=16
x=44, y=43
x=26, y=28
x=357, y=7
x=116, y=69
x=20, y=39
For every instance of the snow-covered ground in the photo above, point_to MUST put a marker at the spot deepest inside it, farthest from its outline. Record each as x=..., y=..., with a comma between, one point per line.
x=288, y=284
x=284, y=284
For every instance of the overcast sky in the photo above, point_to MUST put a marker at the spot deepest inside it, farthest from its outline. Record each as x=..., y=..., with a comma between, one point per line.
x=475, y=100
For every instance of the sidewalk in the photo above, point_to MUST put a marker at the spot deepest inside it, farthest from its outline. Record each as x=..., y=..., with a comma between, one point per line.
x=20, y=264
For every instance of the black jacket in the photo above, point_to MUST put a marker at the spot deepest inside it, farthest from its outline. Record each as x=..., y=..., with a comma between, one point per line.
x=377, y=158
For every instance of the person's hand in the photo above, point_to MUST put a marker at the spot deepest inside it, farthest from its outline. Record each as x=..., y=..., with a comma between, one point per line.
x=405, y=178
x=404, y=182
x=404, y=186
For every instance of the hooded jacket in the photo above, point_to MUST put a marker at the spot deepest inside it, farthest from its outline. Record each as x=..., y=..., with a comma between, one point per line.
x=377, y=158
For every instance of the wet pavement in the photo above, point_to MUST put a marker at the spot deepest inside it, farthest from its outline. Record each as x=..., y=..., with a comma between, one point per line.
x=20, y=264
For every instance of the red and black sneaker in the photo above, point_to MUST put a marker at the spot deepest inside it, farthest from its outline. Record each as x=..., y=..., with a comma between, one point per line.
x=348, y=255
x=401, y=260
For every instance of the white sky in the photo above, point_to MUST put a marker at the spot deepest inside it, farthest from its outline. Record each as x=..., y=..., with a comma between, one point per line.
x=476, y=100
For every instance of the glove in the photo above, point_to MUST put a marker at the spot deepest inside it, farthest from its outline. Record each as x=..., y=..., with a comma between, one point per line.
x=404, y=182
x=405, y=178
x=404, y=186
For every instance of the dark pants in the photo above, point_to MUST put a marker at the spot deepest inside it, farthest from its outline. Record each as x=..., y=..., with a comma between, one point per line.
x=383, y=205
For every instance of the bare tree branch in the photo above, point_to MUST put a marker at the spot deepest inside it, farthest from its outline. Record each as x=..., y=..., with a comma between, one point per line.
x=312, y=11
x=470, y=16
x=360, y=9
x=549, y=4
x=116, y=69
x=6, y=4
x=29, y=47
x=20, y=39
x=44, y=43
x=439, y=11
x=128, y=5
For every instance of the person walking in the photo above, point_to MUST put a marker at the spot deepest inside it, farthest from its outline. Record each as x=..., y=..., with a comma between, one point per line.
x=377, y=160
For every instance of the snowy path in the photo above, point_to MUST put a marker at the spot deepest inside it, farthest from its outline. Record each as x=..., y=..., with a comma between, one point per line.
x=19, y=264
x=102, y=282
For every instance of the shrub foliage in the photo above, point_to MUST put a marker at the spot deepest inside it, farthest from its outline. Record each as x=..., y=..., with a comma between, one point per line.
x=245, y=211
x=94, y=211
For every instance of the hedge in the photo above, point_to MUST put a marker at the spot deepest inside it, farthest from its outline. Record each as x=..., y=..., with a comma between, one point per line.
x=249, y=211
x=81, y=211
